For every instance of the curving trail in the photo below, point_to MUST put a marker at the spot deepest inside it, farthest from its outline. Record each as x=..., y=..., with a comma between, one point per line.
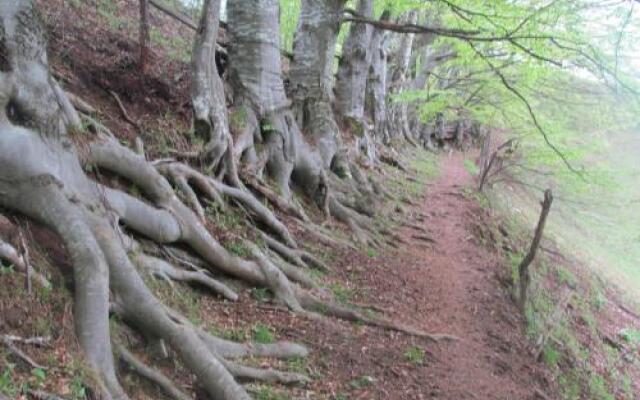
x=449, y=285
x=457, y=291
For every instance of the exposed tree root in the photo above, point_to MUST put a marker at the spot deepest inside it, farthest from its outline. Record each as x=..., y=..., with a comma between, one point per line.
x=264, y=375
x=168, y=272
x=9, y=344
x=285, y=206
x=297, y=257
x=331, y=309
x=156, y=377
x=10, y=255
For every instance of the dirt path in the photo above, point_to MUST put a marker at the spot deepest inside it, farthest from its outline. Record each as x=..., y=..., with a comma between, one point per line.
x=457, y=280
x=449, y=286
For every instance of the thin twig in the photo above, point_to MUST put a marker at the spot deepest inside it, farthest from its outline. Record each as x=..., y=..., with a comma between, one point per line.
x=123, y=110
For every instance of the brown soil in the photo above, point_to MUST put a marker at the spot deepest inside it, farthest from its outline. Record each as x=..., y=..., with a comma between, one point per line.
x=448, y=286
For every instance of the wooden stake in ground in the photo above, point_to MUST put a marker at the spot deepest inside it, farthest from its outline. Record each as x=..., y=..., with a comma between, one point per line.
x=523, y=268
x=144, y=35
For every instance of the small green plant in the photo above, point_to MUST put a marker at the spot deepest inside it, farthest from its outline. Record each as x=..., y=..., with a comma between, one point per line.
x=260, y=294
x=372, y=253
x=414, y=355
x=239, y=249
x=471, y=167
x=78, y=389
x=262, y=334
x=597, y=299
x=598, y=388
x=7, y=269
x=551, y=356
x=7, y=385
x=39, y=375
x=298, y=365
x=236, y=335
x=341, y=293
x=569, y=385
x=564, y=276
x=267, y=393
x=631, y=336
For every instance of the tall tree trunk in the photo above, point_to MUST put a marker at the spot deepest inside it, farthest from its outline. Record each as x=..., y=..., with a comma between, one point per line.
x=262, y=118
x=353, y=69
x=144, y=35
x=207, y=91
x=311, y=77
x=399, y=118
x=377, y=83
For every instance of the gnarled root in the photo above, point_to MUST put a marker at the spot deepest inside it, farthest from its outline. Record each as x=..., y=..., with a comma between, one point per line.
x=10, y=255
x=156, y=377
x=329, y=308
x=296, y=257
x=168, y=272
x=182, y=175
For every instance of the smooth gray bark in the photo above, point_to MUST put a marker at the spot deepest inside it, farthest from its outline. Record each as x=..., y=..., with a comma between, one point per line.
x=207, y=90
x=377, y=84
x=255, y=74
x=353, y=69
x=311, y=76
x=398, y=111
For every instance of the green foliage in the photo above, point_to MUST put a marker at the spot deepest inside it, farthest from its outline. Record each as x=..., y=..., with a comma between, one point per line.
x=631, y=336
x=236, y=335
x=565, y=276
x=551, y=356
x=414, y=355
x=598, y=389
x=268, y=393
x=260, y=294
x=297, y=365
x=8, y=386
x=262, y=334
x=289, y=12
x=239, y=249
x=471, y=167
x=341, y=293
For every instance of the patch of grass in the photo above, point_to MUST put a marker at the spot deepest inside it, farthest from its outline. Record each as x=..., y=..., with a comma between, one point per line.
x=297, y=365
x=239, y=249
x=341, y=293
x=261, y=294
x=598, y=389
x=631, y=336
x=551, y=356
x=426, y=165
x=569, y=385
x=363, y=381
x=372, y=253
x=471, y=167
x=262, y=334
x=597, y=298
x=8, y=386
x=236, y=335
x=7, y=269
x=39, y=376
x=414, y=355
x=564, y=276
x=268, y=393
